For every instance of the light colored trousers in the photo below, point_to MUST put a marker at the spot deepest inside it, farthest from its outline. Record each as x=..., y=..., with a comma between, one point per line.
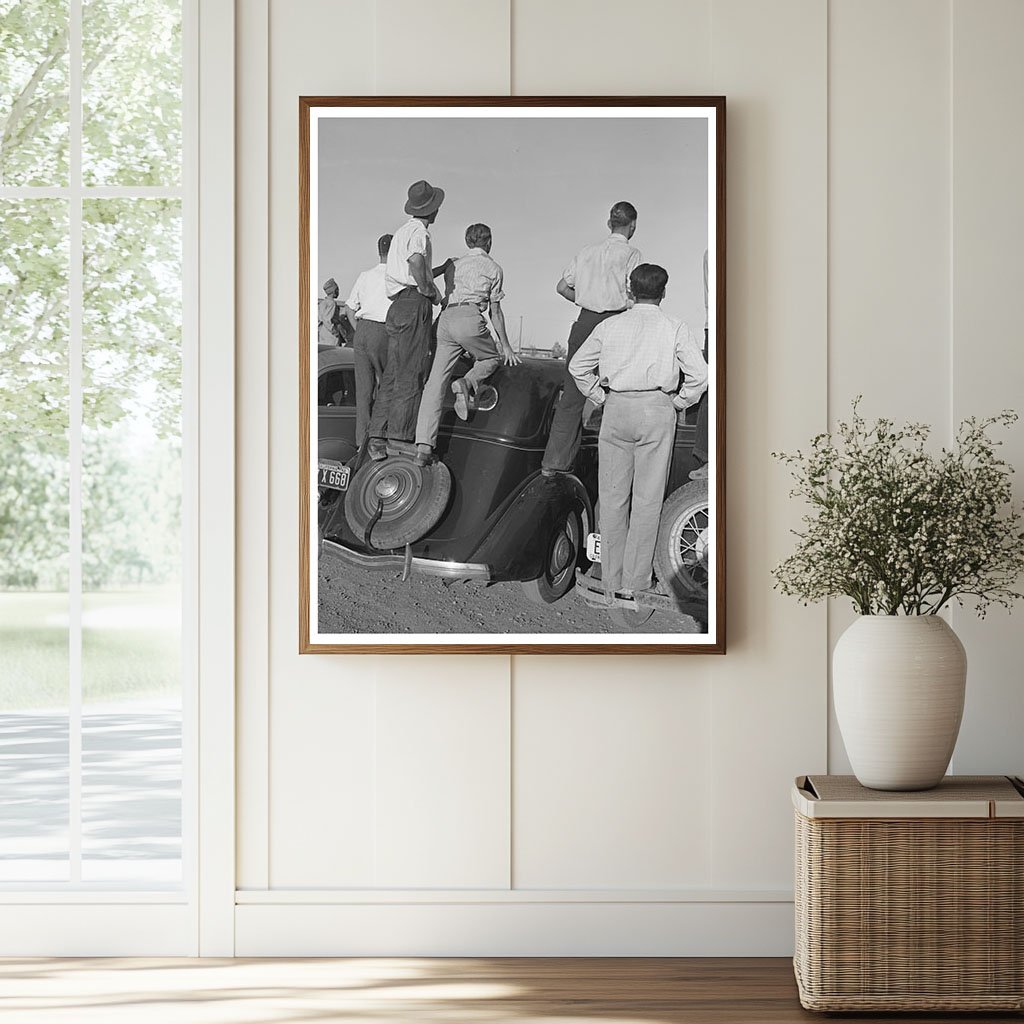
x=460, y=329
x=638, y=430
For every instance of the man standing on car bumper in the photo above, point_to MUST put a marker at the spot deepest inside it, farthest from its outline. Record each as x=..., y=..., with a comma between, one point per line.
x=596, y=281
x=409, y=282
x=367, y=311
x=643, y=367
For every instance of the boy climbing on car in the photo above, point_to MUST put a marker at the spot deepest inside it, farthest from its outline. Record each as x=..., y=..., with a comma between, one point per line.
x=643, y=367
x=463, y=328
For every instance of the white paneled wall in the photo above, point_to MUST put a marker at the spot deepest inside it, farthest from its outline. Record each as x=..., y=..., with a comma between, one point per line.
x=889, y=241
x=580, y=48
x=612, y=804
x=986, y=359
x=768, y=693
x=612, y=775
x=442, y=799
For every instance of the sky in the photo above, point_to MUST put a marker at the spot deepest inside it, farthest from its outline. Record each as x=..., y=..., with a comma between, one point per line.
x=543, y=185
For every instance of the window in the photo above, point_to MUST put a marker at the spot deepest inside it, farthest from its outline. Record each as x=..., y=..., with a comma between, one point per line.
x=337, y=387
x=95, y=463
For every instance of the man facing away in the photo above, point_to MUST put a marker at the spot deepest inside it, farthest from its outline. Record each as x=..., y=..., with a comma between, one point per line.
x=367, y=310
x=330, y=328
x=596, y=281
x=631, y=364
x=409, y=283
x=479, y=284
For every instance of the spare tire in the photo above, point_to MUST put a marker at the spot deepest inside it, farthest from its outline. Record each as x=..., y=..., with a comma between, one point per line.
x=682, y=550
x=410, y=499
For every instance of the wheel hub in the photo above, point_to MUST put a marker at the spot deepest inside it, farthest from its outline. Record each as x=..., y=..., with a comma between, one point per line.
x=561, y=553
x=387, y=487
x=700, y=548
x=391, y=504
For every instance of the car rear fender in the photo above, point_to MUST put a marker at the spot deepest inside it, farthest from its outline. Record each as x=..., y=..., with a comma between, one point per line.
x=339, y=449
x=516, y=544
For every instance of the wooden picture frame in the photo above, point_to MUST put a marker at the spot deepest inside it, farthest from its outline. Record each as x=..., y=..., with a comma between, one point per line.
x=355, y=177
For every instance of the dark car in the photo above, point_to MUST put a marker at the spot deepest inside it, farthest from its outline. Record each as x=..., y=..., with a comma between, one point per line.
x=483, y=511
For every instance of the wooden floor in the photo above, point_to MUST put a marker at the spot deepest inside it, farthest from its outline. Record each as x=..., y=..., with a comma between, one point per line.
x=382, y=991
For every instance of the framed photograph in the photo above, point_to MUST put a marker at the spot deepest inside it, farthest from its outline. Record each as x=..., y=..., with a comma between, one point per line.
x=512, y=375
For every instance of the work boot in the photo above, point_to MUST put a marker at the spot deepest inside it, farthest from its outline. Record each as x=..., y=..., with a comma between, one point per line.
x=461, y=391
x=424, y=455
x=377, y=449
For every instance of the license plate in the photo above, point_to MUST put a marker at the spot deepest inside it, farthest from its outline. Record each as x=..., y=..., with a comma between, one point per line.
x=594, y=547
x=333, y=475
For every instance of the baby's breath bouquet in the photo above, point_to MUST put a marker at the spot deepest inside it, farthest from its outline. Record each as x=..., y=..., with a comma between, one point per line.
x=900, y=530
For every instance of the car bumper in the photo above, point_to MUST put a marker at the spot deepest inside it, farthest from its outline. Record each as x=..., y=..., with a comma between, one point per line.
x=430, y=566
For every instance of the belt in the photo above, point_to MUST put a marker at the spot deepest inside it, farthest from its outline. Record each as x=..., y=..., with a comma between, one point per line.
x=644, y=391
x=602, y=312
x=452, y=305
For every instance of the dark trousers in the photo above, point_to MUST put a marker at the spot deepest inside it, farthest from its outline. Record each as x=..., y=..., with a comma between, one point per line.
x=370, y=351
x=700, y=445
x=398, y=400
x=567, y=425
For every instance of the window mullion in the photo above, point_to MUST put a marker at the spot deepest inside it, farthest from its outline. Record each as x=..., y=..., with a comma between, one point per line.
x=75, y=318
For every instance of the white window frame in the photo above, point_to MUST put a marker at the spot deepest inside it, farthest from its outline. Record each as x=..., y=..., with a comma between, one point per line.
x=197, y=918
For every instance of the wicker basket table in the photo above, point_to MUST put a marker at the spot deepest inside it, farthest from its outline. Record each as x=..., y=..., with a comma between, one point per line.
x=910, y=901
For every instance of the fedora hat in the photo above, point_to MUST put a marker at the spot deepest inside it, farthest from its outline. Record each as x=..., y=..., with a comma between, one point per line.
x=424, y=199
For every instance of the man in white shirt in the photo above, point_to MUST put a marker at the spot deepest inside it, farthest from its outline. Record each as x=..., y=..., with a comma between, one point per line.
x=367, y=310
x=643, y=367
x=409, y=284
x=596, y=281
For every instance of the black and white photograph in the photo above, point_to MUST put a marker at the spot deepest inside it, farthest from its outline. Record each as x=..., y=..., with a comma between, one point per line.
x=510, y=391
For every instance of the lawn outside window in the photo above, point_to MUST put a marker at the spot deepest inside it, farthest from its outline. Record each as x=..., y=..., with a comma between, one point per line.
x=97, y=478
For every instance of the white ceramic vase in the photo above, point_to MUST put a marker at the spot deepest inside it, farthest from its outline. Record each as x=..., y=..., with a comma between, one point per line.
x=898, y=684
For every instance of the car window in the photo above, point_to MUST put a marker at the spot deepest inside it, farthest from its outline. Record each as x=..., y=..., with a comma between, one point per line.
x=337, y=387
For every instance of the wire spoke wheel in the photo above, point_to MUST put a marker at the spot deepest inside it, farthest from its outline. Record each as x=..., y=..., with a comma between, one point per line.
x=682, y=553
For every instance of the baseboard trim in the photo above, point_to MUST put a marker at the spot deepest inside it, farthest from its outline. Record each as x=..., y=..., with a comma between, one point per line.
x=350, y=897
x=515, y=928
x=73, y=930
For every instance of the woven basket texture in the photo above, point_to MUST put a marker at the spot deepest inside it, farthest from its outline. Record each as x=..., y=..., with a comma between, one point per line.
x=912, y=914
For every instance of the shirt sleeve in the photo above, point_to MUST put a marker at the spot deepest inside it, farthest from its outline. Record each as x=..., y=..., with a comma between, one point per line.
x=497, y=284
x=690, y=360
x=584, y=368
x=354, y=302
x=418, y=242
x=631, y=264
x=569, y=274
x=634, y=261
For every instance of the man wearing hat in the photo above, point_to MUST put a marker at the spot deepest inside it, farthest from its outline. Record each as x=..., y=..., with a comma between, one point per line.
x=331, y=326
x=409, y=283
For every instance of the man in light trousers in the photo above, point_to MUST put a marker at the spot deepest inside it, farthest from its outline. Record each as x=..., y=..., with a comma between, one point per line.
x=643, y=367
x=479, y=285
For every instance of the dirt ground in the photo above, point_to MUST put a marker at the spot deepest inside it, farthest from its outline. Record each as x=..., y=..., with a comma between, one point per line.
x=356, y=600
